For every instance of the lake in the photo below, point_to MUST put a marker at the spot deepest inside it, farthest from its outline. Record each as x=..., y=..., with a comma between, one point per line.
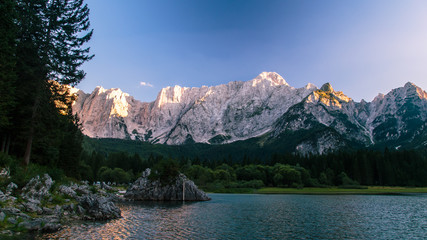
x=240, y=216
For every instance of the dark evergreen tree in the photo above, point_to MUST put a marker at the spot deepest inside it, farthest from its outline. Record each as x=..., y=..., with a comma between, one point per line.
x=7, y=70
x=50, y=46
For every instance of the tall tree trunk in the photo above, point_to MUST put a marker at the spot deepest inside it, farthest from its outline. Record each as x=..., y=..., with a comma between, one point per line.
x=27, y=154
x=30, y=138
x=3, y=143
x=8, y=143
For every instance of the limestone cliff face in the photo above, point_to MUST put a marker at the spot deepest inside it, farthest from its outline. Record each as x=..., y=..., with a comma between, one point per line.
x=398, y=117
x=330, y=120
x=313, y=120
x=218, y=114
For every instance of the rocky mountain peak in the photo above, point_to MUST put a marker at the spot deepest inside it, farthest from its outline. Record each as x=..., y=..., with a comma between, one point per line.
x=410, y=85
x=327, y=87
x=310, y=86
x=414, y=90
x=170, y=95
x=328, y=96
x=241, y=110
x=274, y=78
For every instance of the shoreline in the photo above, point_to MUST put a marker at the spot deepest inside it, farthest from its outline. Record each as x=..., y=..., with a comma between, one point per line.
x=370, y=190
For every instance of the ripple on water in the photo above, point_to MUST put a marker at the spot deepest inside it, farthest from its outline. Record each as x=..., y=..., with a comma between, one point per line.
x=230, y=216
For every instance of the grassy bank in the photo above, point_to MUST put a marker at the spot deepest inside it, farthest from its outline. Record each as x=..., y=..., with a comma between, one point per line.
x=337, y=191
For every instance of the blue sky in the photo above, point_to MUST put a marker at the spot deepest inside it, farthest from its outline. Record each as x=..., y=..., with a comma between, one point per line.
x=361, y=47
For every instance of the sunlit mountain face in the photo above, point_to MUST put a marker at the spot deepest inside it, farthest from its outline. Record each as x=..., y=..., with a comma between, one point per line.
x=266, y=108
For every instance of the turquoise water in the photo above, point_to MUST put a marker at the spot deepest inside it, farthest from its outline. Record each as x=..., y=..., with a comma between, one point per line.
x=236, y=216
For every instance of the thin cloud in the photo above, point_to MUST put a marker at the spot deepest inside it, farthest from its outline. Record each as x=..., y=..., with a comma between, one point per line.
x=146, y=84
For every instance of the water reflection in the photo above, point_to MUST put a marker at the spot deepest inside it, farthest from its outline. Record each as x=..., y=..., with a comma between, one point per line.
x=263, y=217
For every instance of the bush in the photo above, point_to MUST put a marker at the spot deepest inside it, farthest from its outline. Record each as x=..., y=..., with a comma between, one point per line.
x=200, y=175
x=253, y=184
x=6, y=160
x=222, y=175
x=344, y=180
x=120, y=176
x=215, y=187
x=116, y=175
x=166, y=171
x=22, y=176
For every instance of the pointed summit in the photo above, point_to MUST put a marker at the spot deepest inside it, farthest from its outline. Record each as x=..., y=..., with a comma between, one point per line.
x=310, y=86
x=414, y=90
x=327, y=87
x=410, y=85
x=273, y=77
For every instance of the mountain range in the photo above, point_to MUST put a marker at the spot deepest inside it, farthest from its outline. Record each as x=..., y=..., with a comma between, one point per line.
x=265, y=111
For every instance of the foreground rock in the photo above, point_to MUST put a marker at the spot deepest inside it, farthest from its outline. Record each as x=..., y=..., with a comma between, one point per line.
x=44, y=209
x=98, y=207
x=37, y=188
x=144, y=189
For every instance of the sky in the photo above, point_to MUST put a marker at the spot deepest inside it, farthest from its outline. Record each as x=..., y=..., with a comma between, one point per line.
x=362, y=47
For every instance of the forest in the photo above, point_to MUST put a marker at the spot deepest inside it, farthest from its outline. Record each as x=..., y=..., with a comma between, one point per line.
x=347, y=169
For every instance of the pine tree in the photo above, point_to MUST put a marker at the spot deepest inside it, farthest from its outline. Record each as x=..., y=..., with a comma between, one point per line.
x=50, y=46
x=7, y=70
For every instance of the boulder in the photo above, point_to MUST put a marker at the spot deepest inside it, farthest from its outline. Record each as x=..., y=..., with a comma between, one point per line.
x=10, y=188
x=12, y=220
x=47, y=211
x=44, y=224
x=68, y=207
x=37, y=188
x=5, y=172
x=32, y=207
x=23, y=216
x=82, y=189
x=11, y=210
x=3, y=196
x=6, y=197
x=80, y=210
x=30, y=225
x=98, y=208
x=106, y=186
x=57, y=210
x=68, y=191
x=182, y=189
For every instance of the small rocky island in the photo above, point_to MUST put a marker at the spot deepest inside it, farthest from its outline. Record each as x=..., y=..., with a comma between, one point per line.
x=179, y=189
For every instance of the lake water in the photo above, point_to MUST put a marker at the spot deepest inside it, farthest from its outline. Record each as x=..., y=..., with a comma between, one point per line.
x=237, y=216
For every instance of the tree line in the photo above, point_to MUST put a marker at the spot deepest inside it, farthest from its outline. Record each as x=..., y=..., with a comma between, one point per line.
x=42, y=47
x=345, y=169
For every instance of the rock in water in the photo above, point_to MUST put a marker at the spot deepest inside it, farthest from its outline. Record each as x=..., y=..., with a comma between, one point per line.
x=144, y=189
x=99, y=208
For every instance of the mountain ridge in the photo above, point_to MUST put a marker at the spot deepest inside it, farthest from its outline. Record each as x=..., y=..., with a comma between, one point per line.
x=265, y=107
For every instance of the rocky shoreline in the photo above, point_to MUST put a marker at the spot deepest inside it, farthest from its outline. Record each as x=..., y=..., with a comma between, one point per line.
x=40, y=207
